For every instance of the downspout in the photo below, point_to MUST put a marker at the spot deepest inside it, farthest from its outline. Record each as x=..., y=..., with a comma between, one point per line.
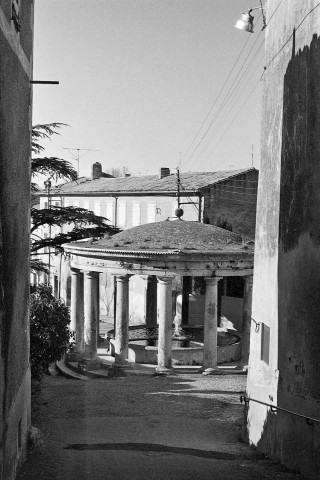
x=200, y=206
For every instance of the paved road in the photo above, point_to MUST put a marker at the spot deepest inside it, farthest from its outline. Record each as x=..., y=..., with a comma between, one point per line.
x=138, y=427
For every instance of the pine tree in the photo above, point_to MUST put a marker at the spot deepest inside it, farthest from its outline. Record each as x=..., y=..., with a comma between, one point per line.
x=85, y=223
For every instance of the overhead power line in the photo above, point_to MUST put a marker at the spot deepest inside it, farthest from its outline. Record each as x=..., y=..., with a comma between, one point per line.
x=222, y=112
x=219, y=94
x=240, y=109
x=231, y=105
x=225, y=100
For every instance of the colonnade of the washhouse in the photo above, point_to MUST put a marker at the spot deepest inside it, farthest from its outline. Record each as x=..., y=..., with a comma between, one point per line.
x=85, y=316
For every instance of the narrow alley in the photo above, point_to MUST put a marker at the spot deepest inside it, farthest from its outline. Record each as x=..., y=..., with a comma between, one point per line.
x=180, y=427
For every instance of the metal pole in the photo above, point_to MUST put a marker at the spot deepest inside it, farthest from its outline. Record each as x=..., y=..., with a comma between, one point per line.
x=200, y=206
x=178, y=186
x=47, y=184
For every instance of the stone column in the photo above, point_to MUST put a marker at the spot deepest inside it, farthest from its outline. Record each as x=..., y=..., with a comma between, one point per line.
x=151, y=301
x=122, y=321
x=97, y=307
x=91, y=281
x=246, y=321
x=77, y=312
x=210, y=350
x=165, y=325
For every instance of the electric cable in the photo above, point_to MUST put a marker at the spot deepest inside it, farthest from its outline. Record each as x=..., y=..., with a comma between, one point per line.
x=234, y=92
x=226, y=98
x=290, y=37
x=233, y=118
x=220, y=92
x=216, y=100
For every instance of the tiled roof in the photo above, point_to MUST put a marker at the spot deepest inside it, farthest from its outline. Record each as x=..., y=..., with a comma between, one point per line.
x=190, y=182
x=171, y=236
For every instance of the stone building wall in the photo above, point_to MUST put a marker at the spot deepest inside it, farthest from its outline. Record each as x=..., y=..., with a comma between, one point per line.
x=285, y=352
x=15, y=125
x=232, y=203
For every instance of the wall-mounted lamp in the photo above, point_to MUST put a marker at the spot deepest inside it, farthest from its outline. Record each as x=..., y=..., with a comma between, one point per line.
x=246, y=21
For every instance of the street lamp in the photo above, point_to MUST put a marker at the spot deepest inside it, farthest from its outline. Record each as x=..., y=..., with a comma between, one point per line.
x=246, y=21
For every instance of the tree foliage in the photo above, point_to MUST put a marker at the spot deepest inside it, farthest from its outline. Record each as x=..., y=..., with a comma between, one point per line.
x=84, y=223
x=49, y=329
x=43, y=132
x=53, y=167
x=87, y=225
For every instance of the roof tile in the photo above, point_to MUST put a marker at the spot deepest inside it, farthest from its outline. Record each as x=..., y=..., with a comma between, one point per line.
x=190, y=182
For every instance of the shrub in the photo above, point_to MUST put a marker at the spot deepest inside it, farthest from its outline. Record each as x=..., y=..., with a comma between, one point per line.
x=49, y=329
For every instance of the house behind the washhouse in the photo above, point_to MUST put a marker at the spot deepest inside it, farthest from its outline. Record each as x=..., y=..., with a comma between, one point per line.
x=16, y=44
x=285, y=335
x=223, y=198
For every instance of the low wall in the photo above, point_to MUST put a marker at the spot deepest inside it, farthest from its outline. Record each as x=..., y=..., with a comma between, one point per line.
x=192, y=355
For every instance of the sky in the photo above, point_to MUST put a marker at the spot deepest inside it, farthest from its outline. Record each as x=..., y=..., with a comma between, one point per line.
x=146, y=84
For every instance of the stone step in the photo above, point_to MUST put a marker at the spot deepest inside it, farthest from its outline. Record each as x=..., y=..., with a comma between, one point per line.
x=102, y=372
x=64, y=370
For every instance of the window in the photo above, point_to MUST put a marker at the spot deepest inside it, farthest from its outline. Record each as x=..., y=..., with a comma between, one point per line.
x=136, y=214
x=122, y=217
x=265, y=343
x=97, y=208
x=68, y=300
x=56, y=286
x=109, y=212
x=151, y=213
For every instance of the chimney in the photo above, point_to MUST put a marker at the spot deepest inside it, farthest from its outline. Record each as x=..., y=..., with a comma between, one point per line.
x=96, y=171
x=164, y=172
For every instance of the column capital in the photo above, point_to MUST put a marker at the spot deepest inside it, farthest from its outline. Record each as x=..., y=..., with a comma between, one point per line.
x=123, y=278
x=212, y=280
x=75, y=271
x=165, y=279
x=90, y=273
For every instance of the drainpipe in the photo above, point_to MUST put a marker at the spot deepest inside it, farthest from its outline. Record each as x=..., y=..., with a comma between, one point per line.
x=200, y=206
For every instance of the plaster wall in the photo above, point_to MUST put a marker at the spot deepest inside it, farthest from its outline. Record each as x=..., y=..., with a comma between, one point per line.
x=131, y=210
x=287, y=257
x=15, y=127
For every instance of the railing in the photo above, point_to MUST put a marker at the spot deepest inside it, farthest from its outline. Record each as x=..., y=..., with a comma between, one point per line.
x=273, y=408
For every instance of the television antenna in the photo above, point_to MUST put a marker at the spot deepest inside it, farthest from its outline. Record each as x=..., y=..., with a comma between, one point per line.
x=75, y=152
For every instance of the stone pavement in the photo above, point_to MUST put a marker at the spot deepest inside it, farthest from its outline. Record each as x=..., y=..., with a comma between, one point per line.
x=181, y=427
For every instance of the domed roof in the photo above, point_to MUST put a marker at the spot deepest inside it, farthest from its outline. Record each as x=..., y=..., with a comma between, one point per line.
x=166, y=248
x=174, y=235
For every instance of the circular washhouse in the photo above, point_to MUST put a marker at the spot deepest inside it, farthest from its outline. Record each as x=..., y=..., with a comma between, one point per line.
x=187, y=348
